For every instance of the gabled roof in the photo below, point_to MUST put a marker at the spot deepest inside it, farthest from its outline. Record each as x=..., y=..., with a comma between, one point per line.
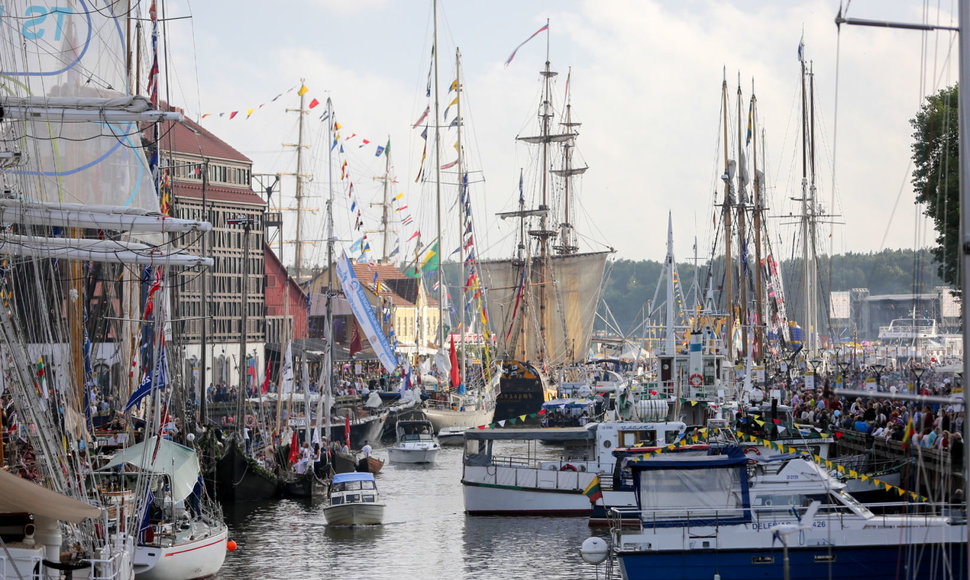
x=189, y=138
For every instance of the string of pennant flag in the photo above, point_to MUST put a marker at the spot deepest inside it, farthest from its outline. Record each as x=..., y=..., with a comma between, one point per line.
x=703, y=436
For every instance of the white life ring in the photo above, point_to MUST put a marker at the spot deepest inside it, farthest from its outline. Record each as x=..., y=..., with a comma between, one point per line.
x=696, y=380
x=250, y=421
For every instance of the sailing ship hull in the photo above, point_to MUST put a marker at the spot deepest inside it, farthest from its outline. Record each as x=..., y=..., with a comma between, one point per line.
x=361, y=430
x=236, y=479
x=451, y=419
x=522, y=391
x=343, y=462
x=300, y=486
x=196, y=558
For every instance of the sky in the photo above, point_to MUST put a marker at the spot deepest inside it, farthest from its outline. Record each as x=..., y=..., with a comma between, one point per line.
x=645, y=82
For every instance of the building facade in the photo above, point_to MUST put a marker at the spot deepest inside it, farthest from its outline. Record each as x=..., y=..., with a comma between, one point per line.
x=211, y=181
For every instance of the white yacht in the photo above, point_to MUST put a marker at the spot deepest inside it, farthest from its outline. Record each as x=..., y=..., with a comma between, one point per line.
x=416, y=442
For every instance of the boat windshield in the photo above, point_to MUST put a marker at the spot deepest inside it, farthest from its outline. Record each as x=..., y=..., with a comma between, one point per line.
x=353, y=486
x=417, y=437
x=853, y=503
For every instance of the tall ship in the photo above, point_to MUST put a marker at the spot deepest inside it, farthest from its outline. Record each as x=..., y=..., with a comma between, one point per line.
x=543, y=300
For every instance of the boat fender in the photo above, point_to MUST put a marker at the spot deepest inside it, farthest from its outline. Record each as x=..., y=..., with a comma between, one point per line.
x=250, y=421
x=568, y=467
x=148, y=536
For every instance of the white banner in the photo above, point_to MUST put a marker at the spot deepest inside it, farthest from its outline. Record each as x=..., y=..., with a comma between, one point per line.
x=286, y=375
x=365, y=314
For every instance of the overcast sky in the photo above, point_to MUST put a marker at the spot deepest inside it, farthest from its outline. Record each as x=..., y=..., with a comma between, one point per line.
x=646, y=84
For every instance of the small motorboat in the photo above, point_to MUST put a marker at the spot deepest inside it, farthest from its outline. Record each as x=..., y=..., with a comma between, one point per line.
x=369, y=464
x=416, y=442
x=353, y=500
x=451, y=437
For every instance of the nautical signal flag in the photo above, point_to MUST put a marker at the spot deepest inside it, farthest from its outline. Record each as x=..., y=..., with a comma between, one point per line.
x=593, y=490
x=313, y=103
x=303, y=90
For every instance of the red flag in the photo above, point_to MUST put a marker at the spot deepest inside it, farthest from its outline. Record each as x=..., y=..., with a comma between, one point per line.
x=455, y=376
x=355, y=344
x=347, y=430
x=233, y=114
x=314, y=103
x=266, y=380
x=294, y=450
x=414, y=235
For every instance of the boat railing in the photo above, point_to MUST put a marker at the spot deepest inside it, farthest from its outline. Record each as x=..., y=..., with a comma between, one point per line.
x=530, y=473
x=112, y=567
x=765, y=516
x=9, y=568
x=561, y=464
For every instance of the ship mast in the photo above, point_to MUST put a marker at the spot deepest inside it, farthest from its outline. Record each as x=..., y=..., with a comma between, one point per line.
x=567, y=245
x=462, y=218
x=726, y=208
x=742, y=241
x=544, y=233
x=437, y=172
x=759, y=317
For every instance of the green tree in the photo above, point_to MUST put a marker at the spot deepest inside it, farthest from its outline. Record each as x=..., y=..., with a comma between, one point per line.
x=936, y=177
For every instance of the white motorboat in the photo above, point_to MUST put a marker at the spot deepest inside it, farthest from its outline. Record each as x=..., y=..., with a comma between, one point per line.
x=354, y=501
x=718, y=516
x=416, y=442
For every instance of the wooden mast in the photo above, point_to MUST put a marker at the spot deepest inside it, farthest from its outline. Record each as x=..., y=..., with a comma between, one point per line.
x=726, y=208
x=759, y=318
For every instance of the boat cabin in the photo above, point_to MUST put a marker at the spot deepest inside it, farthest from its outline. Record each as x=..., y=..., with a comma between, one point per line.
x=353, y=488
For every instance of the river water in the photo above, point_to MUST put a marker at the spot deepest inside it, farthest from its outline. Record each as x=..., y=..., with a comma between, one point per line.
x=426, y=535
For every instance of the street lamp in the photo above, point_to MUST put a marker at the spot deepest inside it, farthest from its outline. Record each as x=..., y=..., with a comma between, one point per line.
x=918, y=372
x=844, y=366
x=878, y=368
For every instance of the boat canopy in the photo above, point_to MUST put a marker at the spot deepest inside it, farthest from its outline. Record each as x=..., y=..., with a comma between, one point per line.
x=19, y=495
x=695, y=489
x=178, y=462
x=545, y=434
x=353, y=476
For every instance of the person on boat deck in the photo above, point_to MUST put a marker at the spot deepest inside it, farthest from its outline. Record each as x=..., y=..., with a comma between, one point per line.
x=425, y=431
x=366, y=449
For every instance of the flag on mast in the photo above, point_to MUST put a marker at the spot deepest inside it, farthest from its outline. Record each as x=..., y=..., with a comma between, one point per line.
x=534, y=34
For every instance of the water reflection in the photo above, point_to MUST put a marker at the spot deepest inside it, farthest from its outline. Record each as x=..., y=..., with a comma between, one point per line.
x=425, y=535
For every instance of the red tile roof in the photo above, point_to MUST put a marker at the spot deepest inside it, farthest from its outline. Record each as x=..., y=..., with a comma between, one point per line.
x=225, y=193
x=190, y=138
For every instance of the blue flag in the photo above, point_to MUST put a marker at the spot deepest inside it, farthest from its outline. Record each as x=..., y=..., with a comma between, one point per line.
x=152, y=381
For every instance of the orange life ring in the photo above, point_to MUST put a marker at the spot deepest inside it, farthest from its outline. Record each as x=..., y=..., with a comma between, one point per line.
x=568, y=467
x=696, y=380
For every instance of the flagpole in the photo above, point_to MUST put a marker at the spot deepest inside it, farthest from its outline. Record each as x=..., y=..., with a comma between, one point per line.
x=328, y=382
x=437, y=172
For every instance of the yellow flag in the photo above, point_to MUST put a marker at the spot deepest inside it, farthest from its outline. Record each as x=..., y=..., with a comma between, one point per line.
x=303, y=90
x=249, y=112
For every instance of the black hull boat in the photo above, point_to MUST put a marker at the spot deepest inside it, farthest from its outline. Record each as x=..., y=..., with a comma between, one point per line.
x=240, y=478
x=522, y=391
x=342, y=461
x=300, y=485
x=361, y=430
